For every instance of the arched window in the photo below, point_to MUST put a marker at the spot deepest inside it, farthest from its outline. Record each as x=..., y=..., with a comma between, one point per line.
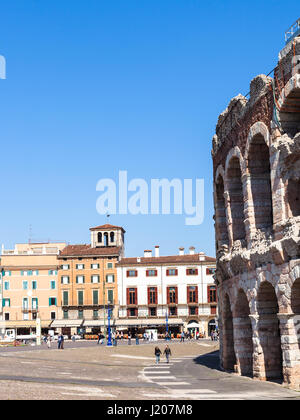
x=112, y=237
x=236, y=197
x=260, y=177
x=105, y=239
x=99, y=237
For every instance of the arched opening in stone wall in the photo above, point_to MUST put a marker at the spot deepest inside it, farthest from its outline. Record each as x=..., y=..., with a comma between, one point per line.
x=294, y=196
x=221, y=220
x=236, y=196
x=289, y=115
x=269, y=332
x=243, y=334
x=295, y=305
x=295, y=297
x=260, y=177
x=229, y=359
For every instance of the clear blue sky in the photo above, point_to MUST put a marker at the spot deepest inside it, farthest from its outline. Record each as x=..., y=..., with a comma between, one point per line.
x=94, y=87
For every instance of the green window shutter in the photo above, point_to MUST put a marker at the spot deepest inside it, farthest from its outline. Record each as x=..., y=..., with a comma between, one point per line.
x=50, y=302
x=95, y=297
x=65, y=298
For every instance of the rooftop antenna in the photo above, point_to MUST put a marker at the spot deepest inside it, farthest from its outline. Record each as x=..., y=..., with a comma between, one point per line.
x=30, y=234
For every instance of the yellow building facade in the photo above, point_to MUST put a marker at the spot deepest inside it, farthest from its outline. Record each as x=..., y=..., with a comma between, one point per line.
x=29, y=286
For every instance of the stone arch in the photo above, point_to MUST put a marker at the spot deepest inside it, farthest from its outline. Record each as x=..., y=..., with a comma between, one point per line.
x=229, y=358
x=99, y=237
x=235, y=169
x=257, y=156
x=112, y=237
x=243, y=334
x=268, y=331
x=106, y=240
x=295, y=297
x=220, y=208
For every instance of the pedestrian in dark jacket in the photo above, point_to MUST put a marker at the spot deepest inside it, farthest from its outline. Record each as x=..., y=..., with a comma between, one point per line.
x=157, y=353
x=167, y=352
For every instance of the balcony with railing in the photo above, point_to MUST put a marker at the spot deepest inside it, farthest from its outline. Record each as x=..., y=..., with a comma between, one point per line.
x=292, y=32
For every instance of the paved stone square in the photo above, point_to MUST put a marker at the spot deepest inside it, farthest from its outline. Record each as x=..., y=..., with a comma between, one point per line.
x=84, y=370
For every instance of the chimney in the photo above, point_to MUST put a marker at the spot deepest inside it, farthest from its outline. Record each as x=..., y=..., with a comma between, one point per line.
x=157, y=251
x=147, y=253
x=201, y=256
x=181, y=251
x=192, y=250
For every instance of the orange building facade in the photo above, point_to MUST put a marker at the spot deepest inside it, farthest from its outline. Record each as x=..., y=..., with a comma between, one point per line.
x=87, y=282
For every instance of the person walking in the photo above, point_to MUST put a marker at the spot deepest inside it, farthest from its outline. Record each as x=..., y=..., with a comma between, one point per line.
x=182, y=337
x=167, y=353
x=129, y=339
x=137, y=340
x=157, y=353
x=62, y=342
x=59, y=341
x=49, y=341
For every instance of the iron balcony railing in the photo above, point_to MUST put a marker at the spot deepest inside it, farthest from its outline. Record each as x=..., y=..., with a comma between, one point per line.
x=292, y=32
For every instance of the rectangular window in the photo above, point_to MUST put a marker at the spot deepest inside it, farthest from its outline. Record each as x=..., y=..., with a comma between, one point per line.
x=110, y=265
x=132, y=273
x=29, y=273
x=172, y=295
x=7, y=273
x=94, y=266
x=193, y=310
x=151, y=273
x=52, y=272
x=65, y=280
x=110, y=296
x=65, y=298
x=25, y=285
x=65, y=267
x=152, y=296
x=6, y=317
x=173, y=311
x=25, y=304
x=95, y=314
x=6, y=302
x=34, y=285
x=66, y=314
x=53, y=285
x=53, y=316
x=192, y=272
x=192, y=294
x=34, y=303
x=212, y=294
x=80, y=314
x=80, y=266
x=152, y=311
x=6, y=285
x=95, y=297
x=110, y=278
x=79, y=279
x=132, y=296
x=80, y=297
x=210, y=271
x=95, y=279
x=36, y=272
x=52, y=301
x=172, y=272
x=132, y=313
x=213, y=310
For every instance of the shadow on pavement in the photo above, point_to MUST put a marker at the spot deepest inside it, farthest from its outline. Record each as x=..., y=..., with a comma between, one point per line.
x=209, y=360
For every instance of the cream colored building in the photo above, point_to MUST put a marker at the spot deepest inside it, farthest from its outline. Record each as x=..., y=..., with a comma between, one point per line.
x=29, y=286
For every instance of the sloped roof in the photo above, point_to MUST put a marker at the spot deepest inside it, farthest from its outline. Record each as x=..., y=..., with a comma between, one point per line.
x=173, y=259
x=87, y=251
x=107, y=227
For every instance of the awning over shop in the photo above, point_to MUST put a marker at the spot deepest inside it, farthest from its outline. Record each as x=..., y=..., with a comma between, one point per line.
x=94, y=323
x=156, y=322
x=64, y=323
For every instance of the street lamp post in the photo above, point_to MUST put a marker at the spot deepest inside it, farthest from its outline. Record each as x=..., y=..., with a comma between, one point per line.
x=109, y=342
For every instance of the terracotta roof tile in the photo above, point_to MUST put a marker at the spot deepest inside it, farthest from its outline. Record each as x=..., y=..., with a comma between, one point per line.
x=87, y=250
x=175, y=259
x=107, y=227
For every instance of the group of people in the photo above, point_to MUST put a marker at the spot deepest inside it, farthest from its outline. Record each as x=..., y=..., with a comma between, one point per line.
x=60, y=341
x=167, y=353
x=214, y=335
